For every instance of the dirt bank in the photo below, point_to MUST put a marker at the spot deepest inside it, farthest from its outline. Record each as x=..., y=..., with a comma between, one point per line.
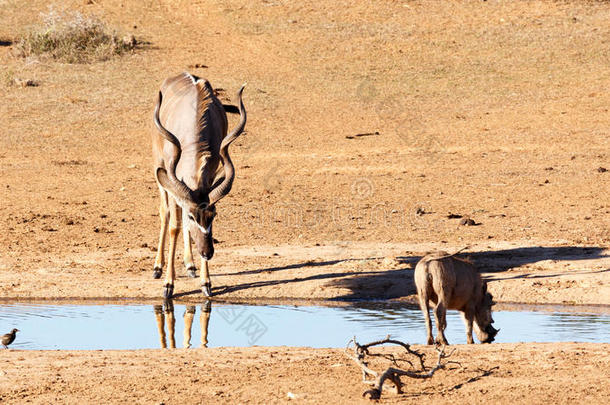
x=564, y=373
x=496, y=111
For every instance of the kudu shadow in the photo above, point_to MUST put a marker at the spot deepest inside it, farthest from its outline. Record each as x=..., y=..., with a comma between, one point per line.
x=397, y=283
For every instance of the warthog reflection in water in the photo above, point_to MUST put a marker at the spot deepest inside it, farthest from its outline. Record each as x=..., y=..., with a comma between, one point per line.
x=453, y=283
x=165, y=314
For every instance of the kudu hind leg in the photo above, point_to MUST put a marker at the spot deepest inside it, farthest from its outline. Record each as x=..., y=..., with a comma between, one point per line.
x=191, y=270
x=164, y=216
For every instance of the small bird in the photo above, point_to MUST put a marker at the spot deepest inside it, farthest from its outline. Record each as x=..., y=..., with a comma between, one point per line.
x=9, y=338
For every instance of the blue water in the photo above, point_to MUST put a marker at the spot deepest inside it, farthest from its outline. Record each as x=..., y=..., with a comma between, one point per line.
x=142, y=326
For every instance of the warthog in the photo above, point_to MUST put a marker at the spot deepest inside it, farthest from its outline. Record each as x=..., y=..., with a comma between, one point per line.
x=454, y=283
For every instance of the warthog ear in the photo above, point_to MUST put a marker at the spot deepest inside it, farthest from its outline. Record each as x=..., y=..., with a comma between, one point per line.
x=484, y=287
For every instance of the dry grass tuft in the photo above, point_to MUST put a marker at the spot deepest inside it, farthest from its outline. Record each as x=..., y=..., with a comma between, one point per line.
x=72, y=37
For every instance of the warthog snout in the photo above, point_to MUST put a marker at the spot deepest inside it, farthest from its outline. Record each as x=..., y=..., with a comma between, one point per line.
x=491, y=333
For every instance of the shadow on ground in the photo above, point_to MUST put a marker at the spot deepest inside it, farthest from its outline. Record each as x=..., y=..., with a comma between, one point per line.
x=397, y=283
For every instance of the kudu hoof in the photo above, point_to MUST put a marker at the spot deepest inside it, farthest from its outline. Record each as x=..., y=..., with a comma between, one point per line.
x=168, y=291
x=206, y=289
x=157, y=273
x=192, y=272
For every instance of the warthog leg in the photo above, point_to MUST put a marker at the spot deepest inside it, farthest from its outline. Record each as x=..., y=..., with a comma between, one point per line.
x=423, y=304
x=440, y=311
x=468, y=318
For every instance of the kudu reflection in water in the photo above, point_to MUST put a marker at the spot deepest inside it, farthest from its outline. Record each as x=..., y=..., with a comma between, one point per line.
x=165, y=314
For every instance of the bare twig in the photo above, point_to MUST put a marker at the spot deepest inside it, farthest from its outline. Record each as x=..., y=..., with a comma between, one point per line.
x=364, y=349
x=359, y=352
x=394, y=374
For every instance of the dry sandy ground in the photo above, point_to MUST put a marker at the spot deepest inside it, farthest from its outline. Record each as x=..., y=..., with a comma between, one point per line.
x=494, y=110
x=537, y=373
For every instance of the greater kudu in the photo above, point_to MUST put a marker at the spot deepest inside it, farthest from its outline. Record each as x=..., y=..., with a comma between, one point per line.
x=188, y=148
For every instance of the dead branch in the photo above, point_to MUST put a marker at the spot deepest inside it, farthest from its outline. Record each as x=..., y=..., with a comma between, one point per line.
x=359, y=355
x=364, y=349
x=394, y=374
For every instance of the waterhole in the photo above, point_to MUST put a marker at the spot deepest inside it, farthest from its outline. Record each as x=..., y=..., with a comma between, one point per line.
x=168, y=325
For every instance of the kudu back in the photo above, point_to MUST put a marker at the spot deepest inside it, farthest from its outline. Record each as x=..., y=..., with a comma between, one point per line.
x=193, y=170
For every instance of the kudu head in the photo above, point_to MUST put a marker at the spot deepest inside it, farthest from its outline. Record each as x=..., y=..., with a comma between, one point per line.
x=199, y=205
x=486, y=333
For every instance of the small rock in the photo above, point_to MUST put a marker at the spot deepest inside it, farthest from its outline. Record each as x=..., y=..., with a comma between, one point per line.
x=129, y=40
x=24, y=82
x=390, y=262
x=467, y=222
x=602, y=170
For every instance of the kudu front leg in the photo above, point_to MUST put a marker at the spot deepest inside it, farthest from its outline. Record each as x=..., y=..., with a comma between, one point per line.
x=206, y=283
x=191, y=270
x=174, y=229
x=164, y=216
